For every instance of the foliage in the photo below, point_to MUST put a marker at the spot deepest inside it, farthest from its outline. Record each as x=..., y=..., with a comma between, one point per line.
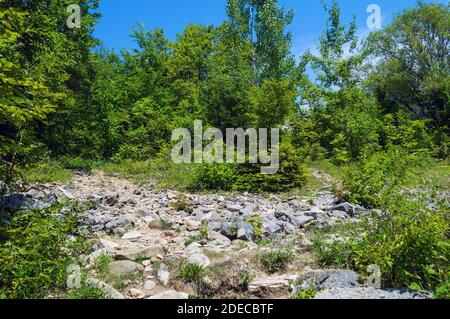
x=413, y=72
x=191, y=273
x=46, y=172
x=215, y=177
x=409, y=242
x=86, y=292
x=256, y=221
x=102, y=262
x=291, y=174
x=276, y=261
x=244, y=278
x=76, y=163
x=380, y=176
x=203, y=234
x=36, y=249
x=305, y=294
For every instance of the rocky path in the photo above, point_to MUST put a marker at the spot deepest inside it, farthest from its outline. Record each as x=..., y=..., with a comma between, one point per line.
x=153, y=237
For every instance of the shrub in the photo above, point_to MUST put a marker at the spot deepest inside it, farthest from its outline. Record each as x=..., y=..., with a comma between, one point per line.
x=305, y=294
x=203, y=234
x=374, y=179
x=257, y=221
x=291, y=174
x=409, y=243
x=214, y=177
x=276, y=261
x=35, y=250
x=244, y=278
x=102, y=262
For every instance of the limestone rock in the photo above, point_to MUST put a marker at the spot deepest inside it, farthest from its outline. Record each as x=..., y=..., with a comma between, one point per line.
x=109, y=291
x=170, y=295
x=125, y=267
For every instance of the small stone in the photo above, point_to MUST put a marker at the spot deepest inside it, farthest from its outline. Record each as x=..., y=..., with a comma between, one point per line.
x=249, y=209
x=234, y=208
x=273, y=286
x=136, y=253
x=112, y=200
x=330, y=278
x=199, y=259
x=148, y=269
x=146, y=263
x=301, y=220
x=369, y=293
x=108, y=244
x=124, y=267
x=170, y=295
x=153, y=221
x=132, y=235
x=149, y=286
x=108, y=290
x=136, y=293
x=338, y=214
x=163, y=275
x=218, y=239
x=66, y=193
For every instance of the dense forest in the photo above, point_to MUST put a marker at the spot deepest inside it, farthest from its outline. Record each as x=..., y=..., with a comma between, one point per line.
x=374, y=112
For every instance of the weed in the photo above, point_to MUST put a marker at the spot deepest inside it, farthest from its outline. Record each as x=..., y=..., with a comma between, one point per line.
x=276, y=261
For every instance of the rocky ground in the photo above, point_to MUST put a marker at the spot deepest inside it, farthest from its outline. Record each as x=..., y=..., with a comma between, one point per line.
x=150, y=234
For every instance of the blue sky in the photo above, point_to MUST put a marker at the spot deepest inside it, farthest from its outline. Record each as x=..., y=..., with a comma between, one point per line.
x=119, y=16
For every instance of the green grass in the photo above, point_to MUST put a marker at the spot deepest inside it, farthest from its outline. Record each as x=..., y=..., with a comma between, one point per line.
x=86, y=293
x=164, y=174
x=276, y=261
x=48, y=172
x=305, y=294
x=191, y=273
x=102, y=262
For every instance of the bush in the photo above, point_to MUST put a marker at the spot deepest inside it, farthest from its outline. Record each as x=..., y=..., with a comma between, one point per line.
x=374, y=179
x=291, y=174
x=409, y=242
x=214, y=177
x=276, y=261
x=35, y=250
x=305, y=294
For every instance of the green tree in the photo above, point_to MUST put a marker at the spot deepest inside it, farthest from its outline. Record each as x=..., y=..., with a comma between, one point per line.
x=345, y=118
x=41, y=74
x=188, y=68
x=413, y=73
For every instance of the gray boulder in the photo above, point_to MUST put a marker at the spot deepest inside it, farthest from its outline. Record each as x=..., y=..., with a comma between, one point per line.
x=301, y=220
x=245, y=231
x=326, y=279
x=370, y=293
